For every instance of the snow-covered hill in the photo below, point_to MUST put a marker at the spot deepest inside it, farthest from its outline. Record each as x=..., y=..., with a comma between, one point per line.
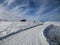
x=10, y=27
x=32, y=36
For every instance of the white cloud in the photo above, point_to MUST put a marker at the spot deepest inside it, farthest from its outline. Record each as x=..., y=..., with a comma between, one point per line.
x=9, y=1
x=16, y=13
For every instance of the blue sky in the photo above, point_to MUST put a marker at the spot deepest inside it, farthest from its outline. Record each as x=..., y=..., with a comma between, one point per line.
x=38, y=10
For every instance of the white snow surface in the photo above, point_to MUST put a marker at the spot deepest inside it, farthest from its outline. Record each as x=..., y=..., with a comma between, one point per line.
x=33, y=36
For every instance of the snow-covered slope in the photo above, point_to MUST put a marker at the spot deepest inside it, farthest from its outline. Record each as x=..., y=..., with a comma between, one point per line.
x=32, y=36
x=6, y=28
x=27, y=37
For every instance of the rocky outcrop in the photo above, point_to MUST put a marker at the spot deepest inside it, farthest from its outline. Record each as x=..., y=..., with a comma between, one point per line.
x=52, y=34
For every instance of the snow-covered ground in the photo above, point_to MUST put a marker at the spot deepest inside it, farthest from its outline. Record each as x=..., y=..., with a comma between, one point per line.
x=32, y=36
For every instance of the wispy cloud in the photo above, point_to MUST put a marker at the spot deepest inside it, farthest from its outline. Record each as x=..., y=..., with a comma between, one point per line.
x=41, y=10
